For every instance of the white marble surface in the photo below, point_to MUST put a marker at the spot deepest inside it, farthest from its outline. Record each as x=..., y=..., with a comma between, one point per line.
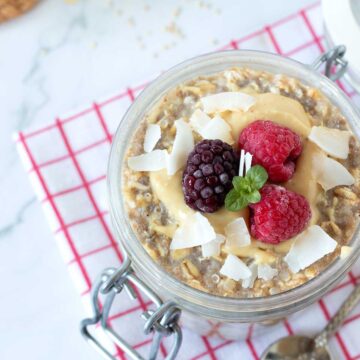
x=60, y=55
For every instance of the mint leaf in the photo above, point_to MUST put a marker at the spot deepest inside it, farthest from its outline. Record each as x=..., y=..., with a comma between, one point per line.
x=235, y=201
x=241, y=184
x=257, y=177
x=246, y=189
x=253, y=197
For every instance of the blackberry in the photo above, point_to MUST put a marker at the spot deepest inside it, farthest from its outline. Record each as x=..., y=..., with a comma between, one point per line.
x=208, y=175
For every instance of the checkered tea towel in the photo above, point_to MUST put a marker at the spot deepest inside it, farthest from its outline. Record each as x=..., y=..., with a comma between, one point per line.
x=66, y=163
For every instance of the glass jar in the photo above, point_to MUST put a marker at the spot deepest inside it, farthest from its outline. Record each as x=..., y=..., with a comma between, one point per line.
x=204, y=313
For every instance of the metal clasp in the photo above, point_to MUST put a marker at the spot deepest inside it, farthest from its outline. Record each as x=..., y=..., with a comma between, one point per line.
x=163, y=321
x=331, y=58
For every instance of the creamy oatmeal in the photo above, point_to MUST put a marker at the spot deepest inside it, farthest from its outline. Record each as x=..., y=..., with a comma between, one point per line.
x=326, y=173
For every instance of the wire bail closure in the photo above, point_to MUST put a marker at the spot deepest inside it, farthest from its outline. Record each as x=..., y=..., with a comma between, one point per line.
x=332, y=58
x=163, y=321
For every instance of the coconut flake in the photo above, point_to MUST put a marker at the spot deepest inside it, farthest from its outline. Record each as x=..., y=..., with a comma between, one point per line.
x=309, y=247
x=213, y=247
x=331, y=173
x=242, y=162
x=199, y=120
x=232, y=75
x=183, y=145
x=249, y=282
x=248, y=160
x=152, y=136
x=233, y=101
x=345, y=251
x=188, y=100
x=235, y=269
x=333, y=141
x=195, y=231
x=237, y=234
x=266, y=272
x=152, y=161
x=217, y=128
x=245, y=162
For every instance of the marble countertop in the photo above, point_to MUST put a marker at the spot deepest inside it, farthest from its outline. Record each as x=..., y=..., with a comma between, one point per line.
x=57, y=57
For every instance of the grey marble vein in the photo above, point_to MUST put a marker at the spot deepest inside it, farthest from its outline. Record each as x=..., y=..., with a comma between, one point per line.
x=18, y=219
x=35, y=80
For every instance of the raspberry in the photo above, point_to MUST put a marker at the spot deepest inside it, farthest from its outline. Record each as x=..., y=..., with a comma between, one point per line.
x=208, y=175
x=279, y=215
x=273, y=146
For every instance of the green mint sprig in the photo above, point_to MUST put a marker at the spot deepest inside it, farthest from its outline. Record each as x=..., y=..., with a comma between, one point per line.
x=246, y=189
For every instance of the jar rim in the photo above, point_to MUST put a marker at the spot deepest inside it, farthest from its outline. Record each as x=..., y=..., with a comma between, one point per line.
x=191, y=299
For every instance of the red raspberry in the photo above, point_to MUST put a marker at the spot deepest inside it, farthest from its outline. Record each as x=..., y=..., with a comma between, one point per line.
x=279, y=215
x=273, y=146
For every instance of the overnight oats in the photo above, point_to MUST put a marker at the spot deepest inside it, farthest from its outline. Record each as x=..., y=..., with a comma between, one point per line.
x=243, y=183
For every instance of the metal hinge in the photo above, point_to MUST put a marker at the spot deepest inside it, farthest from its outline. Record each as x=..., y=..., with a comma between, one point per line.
x=335, y=64
x=162, y=321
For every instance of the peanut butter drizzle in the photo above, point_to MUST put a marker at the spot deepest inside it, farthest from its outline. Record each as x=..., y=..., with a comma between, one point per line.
x=277, y=108
x=169, y=192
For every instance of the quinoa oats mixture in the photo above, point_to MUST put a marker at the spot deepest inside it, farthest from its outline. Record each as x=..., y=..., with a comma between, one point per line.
x=250, y=256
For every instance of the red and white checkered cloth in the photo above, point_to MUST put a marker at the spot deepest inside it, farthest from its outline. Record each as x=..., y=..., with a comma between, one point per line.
x=66, y=162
